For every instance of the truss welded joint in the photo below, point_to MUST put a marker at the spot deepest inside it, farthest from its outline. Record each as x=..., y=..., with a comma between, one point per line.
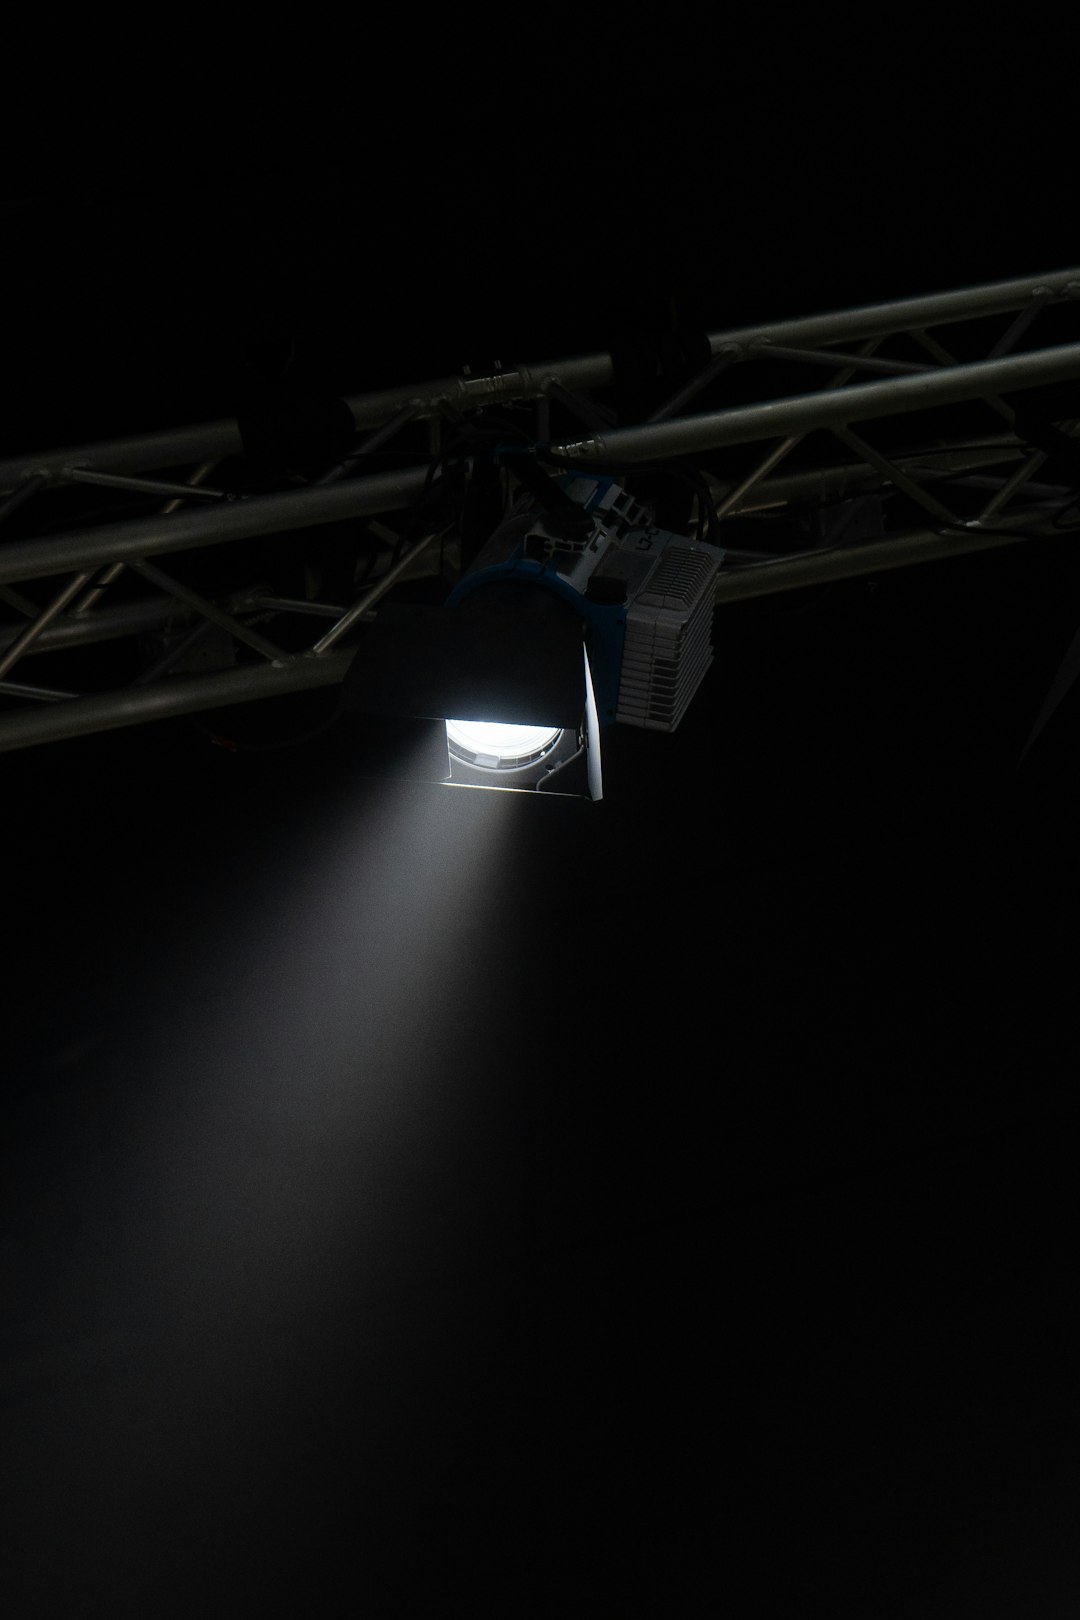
x=210, y=610
x=47, y=614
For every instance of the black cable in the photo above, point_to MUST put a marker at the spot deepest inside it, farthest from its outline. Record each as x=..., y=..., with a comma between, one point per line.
x=465, y=441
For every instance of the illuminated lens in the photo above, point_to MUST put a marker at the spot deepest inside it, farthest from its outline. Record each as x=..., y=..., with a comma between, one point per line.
x=503, y=743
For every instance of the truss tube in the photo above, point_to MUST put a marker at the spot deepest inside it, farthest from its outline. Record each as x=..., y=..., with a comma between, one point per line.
x=904, y=314
x=875, y=557
x=187, y=530
x=46, y=694
x=801, y=413
x=43, y=619
x=112, y=574
x=383, y=492
x=112, y=711
x=21, y=604
x=138, y=618
x=362, y=607
x=167, y=447
x=104, y=624
x=212, y=613
x=216, y=440
x=188, y=694
x=859, y=479
x=784, y=447
x=767, y=350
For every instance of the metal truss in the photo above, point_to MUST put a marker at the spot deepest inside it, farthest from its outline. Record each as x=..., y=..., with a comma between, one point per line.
x=860, y=384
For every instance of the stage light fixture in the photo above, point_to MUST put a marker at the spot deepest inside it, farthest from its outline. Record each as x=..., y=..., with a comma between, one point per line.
x=574, y=616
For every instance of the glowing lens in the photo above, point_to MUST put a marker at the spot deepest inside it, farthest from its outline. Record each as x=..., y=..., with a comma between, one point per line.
x=502, y=743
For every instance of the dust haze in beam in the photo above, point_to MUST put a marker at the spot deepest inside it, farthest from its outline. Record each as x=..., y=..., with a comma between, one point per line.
x=310, y=1135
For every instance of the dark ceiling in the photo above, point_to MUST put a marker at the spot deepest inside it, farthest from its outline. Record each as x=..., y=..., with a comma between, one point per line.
x=714, y=1226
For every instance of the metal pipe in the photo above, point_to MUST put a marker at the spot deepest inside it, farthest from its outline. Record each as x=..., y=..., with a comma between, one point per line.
x=820, y=482
x=1045, y=492
x=21, y=492
x=1019, y=326
x=373, y=442
x=804, y=412
x=166, y=447
x=22, y=604
x=106, y=624
x=288, y=604
x=589, y=412
x=174, y=655
x=767, y=350
x=942, y=355
x=111, y=711
x=186, y=531
x=33, y=630
x=682, y=396
x=896, y=476
x=112, y=574
x=875, y=557
x=905, y=314
x=217, y=440
x=138, y=618
x=44, y=694
x=777, y=452
x=369, y=598
x=1018, y=479
x=211, y=611
x=143, y=486
x=181, y=694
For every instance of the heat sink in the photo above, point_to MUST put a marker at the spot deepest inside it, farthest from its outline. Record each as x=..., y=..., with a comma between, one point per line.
x=668, y=645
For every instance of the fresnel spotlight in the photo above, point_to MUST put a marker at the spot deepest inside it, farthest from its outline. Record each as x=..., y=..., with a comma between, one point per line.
x=578, y=614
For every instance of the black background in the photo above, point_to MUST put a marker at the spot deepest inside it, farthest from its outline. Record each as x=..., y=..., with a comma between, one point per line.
x=418, y=1200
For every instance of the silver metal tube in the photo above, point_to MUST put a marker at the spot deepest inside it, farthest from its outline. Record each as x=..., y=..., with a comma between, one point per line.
x=373, y=442
x=777, y=452
x=180, y=694
x=896, y=475
x=827, y=357
x=138, y=618
x=22, y=604
x=211, y=611
x=804, y=412
x=905, y=314
x=178, y=447
x=1018, y=479
x=944, y=358
x=822, y=482
x=185, y=531
x=21, y=492
x=112, y=574
x=1017, y=328
x=1044, y=492
x=588, y=412
x=288, y=604
x=876, y=557
x=44, y=694
x=29, y=635
x=173, y=656
x=360, y=608
x=671, y=407
x=189, y=694
x=167, y=447
x=105, y=624
x=146, y=486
